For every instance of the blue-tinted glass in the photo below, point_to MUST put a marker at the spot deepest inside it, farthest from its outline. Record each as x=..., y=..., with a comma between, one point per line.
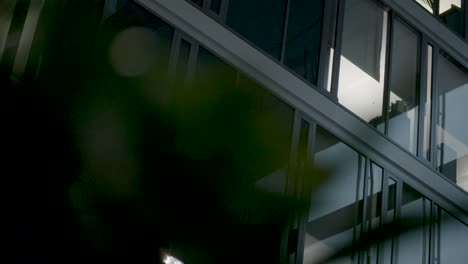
x=412, y=243
x=260, y=21
x=303, y=38
x=403, y=105
x=453, y=240
x=452, y=121
x=333, y=215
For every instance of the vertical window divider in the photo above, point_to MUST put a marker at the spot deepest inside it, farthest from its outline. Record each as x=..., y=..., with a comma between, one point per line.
x=436, y=8
x=223, y=11
x=465, y=19
x=364, y=206
x=387, y=83
x=290, y=183
x=398, y=201
x=327, y=26
x=306, y=190
x=435, y=104
x=383, y=213
x=285, y=31
x=423, y=71
x=338, y=46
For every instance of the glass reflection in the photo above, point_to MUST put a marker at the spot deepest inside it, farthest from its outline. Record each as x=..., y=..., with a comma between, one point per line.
x=333, y=216
x=303, y=38
x=452, y=121
x=261, y=22
x=403, y=106
x=412, y=243
x=451, y=13
x=362, y=63
x=453, y=239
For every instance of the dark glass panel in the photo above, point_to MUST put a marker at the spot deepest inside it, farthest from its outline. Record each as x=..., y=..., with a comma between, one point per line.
x=362, y=64
x=261, y=22
x=412, y=243
x=332, y=221
x=215, y=6
x=452, y=121
x=403, y=105
x=303, y=38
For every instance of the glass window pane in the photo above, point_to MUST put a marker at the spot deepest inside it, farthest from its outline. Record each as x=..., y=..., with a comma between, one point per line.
x=333, y=216
x=412, y=243
x=215, y=6
x=403, y=108
x=452, y=121
x=362, y=64
x=453, y=240
x=260, y=21
x=303, y=38
x=451, y=13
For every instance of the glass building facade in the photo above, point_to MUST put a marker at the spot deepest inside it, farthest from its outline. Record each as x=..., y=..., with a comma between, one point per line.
x=365, y=107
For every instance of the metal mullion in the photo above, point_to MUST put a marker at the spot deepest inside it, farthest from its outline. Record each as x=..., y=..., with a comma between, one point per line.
x=192, y=63
x=427, y=229
x=387, y=83
x=432, y=220
x=361, y=255
x=206, y=4
x=223, y=11
x=383, y=213
x=328, y=20
x=435, y=104
x=338, y=47
x=285, y=32
x=290, y=182
x=305, y=192
x=465, y=19
x=398, y=201
x=423, y=61
x=175, y=48
x=293, y=154
x=436, y=8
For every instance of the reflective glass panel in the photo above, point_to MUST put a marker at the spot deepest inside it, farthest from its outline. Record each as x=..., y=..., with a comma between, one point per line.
x=215, y=6
x=260, y=21
x=412, y=243
x=303, y=38
x=403, y=108
x=362, y=63
x=332, y=221
x=451, y=13
x=453, y=240
x=452, y=121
